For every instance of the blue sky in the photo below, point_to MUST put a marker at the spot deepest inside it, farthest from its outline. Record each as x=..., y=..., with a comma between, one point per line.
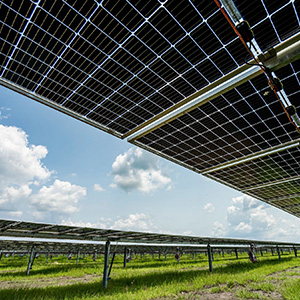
x=56, y=169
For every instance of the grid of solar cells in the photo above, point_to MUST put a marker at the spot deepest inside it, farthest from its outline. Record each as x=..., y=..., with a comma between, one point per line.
x=284, y=193
x=290, y=204
x=120, y=63
x=279, y=166
x=271, y=21
x=242, y=121
x=277, y=190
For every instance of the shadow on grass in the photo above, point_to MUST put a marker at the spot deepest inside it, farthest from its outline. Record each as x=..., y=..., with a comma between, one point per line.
x=130, y=283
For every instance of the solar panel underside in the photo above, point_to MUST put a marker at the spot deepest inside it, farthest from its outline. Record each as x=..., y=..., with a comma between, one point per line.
x=118, y=64
x=241, y=122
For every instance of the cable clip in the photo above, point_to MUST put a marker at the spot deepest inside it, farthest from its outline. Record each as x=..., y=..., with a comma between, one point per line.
x=245, y=31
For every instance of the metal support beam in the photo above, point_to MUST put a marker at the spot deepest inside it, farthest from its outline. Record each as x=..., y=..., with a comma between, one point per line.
x=272, y=250
x=106, y=264
x=278, y=252
x=236, y=253
x=261, y=253
x=30, y=259
x=1, y=254
x=209, y=258
x=77, y=260
x=125, y=257
x=295, y=251
x=47, y=259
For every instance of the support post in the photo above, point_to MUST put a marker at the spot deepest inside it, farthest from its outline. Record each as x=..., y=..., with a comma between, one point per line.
x=272, y=250
x=236, y=253
x=1, y=253
x=165, y=256
x=30, y=259
x=159, y=255
x=125, y=257
x=278, y=252
x=77, y=260
x=261, y=252
x=295, y=251
x=106, y=264
x=209, y=257
x=222, y=252
x=47, y=256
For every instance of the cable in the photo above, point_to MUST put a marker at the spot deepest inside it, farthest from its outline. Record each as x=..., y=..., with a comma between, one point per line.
x=273, y=81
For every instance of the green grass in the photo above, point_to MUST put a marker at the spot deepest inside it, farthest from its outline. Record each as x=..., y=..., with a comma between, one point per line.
x=148, y=278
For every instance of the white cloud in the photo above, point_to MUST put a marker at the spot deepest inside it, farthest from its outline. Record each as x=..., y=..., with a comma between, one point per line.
x=139, y=170
x=98, y=188
x=218, y=229
x=10, y=196
x=102, y=225
x=250, y=218
x=20, y=163
x=209, y=207
x=21, y=168
x=16, y=214
x=136, y=222
x=60, y=198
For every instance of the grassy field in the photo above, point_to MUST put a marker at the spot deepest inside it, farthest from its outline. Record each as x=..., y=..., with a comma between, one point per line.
x=148, y=278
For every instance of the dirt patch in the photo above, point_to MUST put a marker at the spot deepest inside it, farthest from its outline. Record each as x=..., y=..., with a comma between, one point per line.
x=45, y=282
x=293, y=272
x=224, y=295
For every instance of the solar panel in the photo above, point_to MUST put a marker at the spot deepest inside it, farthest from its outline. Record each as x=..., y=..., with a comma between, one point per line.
x=123, y=65
x=58, y=233
x=120, y=63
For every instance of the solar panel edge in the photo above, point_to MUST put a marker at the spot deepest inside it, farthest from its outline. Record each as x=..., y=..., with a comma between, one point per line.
x=156, y=152
x=21, y=90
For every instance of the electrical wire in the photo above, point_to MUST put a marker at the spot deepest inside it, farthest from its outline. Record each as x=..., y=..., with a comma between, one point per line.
x=257, y=62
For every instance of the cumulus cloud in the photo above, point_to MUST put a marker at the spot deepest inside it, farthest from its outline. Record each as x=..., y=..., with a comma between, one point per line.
x=219, y=229
x=136, y=222
x=253, y=219
x=22, y=173
x=247, y=215
x=61, y=197
x=10, y=197
x=98, y=188
x=209, y=207
x=139, y=170
x=20, y=162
